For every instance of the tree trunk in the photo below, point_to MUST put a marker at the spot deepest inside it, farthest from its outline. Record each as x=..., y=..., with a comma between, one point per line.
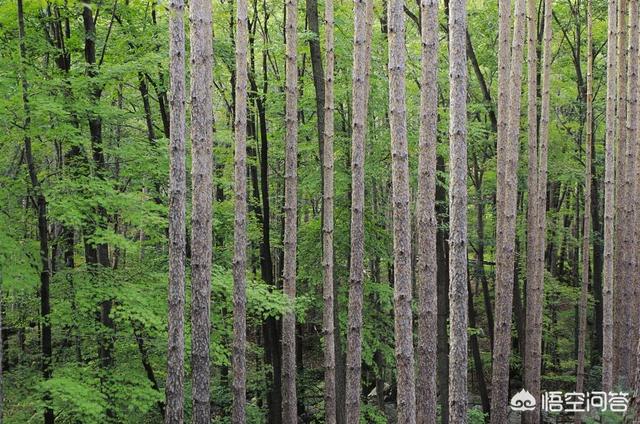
x=534, y=295
x=240, y=227
x=406, y=397
x=502, y=326
x=535, y=291
x=174, y=389
x=327, y=221
x=620, y=225
x=586, y=231
x=427, y=286
x=43, y=232
x=507, y=185
x=626, y=350
x=201, y=215
x=289, y=399
x=458, y=211
x=360, y=94
x=536, y=229
x=609, y=203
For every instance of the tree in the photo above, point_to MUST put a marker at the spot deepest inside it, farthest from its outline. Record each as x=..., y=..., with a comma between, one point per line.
x=38, y=198
x=327, y=222
x=507, y=185
x=458, y=211
x=621, y=290
x=586, y=232
x=609, y=205
x=401, y=215
x=360, y=95
x=201, y=214
x=240, y=227
x=177, y=216
x=289, y=399
x=541, y=191
x=427, y=285
x=628, y=204
x=534, y=209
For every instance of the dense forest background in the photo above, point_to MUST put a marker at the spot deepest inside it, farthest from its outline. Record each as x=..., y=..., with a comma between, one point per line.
x=85, y=107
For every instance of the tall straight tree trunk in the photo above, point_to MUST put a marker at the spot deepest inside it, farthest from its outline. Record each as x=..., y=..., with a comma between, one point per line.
x=609, y=205
x=586, y=231
x=289, y=399
x=458, y=212
x=360, y=95
x=201, y=215
x=43, y=226
x=327, y=222
x=177, y=215
x=620, y=224
x=240, y=228
x=534, y=295
x=406, y=397
x=507, y=185
x=427, y=285
x=541, y=193
x=502, y=327
x=628, y=303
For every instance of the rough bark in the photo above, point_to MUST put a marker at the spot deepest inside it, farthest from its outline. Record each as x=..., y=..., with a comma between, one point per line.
x=327, y=222
x=427, y=286
x=504, y=64
x=458, y=211
x=586, y=231
x=506, y=199
x=541, y=192
x=609, y=202
x=534, y=294
x=240, y=224
x=289, y=399
x=174, y=389
x=200, y=18
x=406, y=397
x=43, y=232
x=620, y=222
x=360, y=95
x=536, y=225
x=628, y=254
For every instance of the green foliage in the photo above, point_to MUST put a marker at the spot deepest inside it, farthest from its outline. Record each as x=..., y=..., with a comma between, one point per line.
x=125, y=204
x=476, y=416
x=369, y=414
